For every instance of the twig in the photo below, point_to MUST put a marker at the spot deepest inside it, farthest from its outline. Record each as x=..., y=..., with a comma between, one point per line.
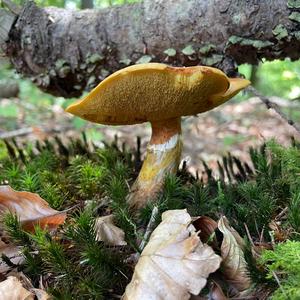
x=281, y=214
x=249, y=235
x=149, y=228
x=29, y=130
x=135, y=257
x=279, y=284
x=256, y=227
x=17, y=132
x=262, y=234
x=271, y=105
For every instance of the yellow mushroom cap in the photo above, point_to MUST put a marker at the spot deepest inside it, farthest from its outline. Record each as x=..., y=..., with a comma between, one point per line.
x=156, y=92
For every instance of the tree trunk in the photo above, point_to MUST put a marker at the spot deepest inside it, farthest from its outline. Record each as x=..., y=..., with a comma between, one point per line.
x=66, y=51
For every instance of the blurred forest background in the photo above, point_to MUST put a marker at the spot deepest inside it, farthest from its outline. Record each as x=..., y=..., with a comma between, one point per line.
x=27, y=112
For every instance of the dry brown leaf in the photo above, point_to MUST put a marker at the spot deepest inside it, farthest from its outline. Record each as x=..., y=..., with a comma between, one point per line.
x=206, y=227
x=174, y=263
x=234, y=265
x=12, y=252
x=107, y=232
x=25, y=281
x=279, y=233
x=40, y=294
x=30, y=208
x=216, y=293
x=12, y=289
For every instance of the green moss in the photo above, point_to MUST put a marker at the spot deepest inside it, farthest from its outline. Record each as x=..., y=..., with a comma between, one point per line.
x=96, y=182
x=284, y=263
x=3, y=151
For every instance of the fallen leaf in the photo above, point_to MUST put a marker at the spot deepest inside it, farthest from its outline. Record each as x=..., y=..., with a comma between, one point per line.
x=216, y=293
x=40, y=294
x=20, y=276
x=279, y=234
x=174, y=263
x=30, y=208
x=12, y=289
x=107, y=232
x=234, y=265
x=13, y=252
x=206, y=227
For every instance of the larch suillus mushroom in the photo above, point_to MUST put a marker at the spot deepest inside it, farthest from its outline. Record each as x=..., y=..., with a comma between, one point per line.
x=161, y=95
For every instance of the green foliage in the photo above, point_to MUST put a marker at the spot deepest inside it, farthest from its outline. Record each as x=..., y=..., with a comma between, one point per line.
x=87, y=176
x=284, y=264
x=276, y=78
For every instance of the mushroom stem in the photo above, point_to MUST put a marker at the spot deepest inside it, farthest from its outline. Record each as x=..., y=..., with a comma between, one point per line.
x=162, y=158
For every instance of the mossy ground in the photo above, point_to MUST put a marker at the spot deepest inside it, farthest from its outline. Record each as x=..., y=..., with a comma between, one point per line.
x=94, y=181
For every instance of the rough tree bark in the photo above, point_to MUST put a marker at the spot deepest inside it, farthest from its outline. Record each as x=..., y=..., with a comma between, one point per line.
x=66, y=51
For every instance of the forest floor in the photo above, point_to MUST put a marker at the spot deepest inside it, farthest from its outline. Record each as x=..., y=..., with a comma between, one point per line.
x=85, y=182
x=233, y=127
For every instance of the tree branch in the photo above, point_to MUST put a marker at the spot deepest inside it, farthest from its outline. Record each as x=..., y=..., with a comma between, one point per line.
x=67, y=51
x=271, y=105
x=30, y=130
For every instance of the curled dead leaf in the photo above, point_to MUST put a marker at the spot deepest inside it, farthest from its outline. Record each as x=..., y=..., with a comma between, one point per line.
x=12, y=289
x=279, y=233
x=13, y=252
x=40, y=294
x=206, y=227
x=174, y=263
x=216, y=293
x=30, y=208
x=234, y=265
x=107, y=232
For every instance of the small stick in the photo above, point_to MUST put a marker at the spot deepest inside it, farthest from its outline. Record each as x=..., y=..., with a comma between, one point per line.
x=271, y=105
x=262, y=234
x=248, y=234
x=279, y=284
x=282, y=213
x=256, y=227
x=29, y=130
x=149, y=228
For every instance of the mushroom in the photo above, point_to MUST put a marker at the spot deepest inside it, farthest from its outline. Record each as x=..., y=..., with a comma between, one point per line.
x=159, y=94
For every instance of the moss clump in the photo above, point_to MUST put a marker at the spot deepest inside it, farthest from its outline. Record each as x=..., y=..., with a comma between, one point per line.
x=283, y=265
x=95, y=181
